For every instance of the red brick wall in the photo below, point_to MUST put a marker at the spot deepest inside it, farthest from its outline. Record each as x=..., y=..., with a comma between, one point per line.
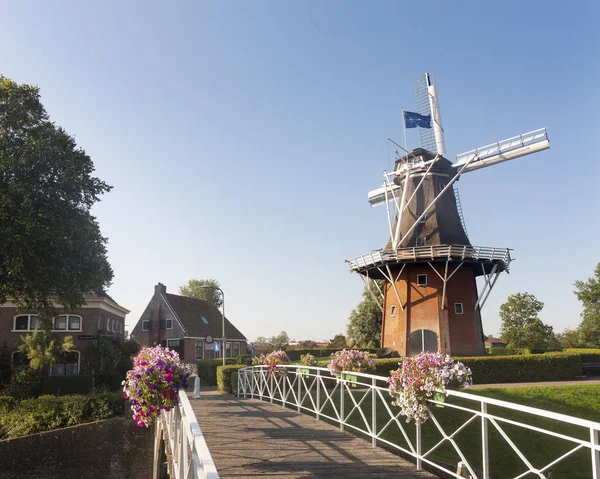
x=457, y=334
x=92, y=319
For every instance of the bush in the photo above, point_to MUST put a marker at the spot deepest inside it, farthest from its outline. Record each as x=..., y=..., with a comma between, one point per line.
x=24, y=384
x=588, y=355
x=61, y=385
x=207, y=370
x=225, y=380
x=526, y=368
x=383, y=367
x=507, y=351
x=7, y=403
x=51, y=412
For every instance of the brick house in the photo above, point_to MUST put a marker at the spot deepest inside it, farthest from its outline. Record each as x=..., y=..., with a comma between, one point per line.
x=190, y=326
x=100, y=314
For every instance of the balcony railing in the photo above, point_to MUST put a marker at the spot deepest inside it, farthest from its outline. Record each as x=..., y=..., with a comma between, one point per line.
x=425, y=253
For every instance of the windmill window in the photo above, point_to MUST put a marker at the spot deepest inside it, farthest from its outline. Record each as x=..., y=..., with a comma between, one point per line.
x=146, y=325
x=169, y=323
x=458, y=308
x=421, y=241
x=423, y=219
x=422, y=279
x=393, y=310
x=442, y=186
x=204, y=320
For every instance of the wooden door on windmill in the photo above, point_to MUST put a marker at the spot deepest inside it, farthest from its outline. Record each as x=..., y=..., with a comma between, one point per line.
x=422, y=340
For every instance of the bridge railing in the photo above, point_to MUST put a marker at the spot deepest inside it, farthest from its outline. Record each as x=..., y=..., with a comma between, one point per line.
x=361, y=402
x=191, y=458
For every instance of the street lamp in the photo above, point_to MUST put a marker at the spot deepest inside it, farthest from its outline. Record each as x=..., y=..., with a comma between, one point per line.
x=223, y=338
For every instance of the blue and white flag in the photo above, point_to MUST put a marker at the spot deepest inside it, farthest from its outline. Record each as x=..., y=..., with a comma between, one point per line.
x=412, y=120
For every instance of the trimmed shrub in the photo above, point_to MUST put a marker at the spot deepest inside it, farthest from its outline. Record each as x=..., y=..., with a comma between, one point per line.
x=24, y=384
x=507, y=351
x=61, y=385
x=384, y=366
x=51, y=412
x=7, y=403
x=207, y=370
x=224, y=377
x=588, y=355
x=525, y=368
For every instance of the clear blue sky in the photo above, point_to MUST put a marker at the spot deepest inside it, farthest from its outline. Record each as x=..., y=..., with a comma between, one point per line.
x=241, y=139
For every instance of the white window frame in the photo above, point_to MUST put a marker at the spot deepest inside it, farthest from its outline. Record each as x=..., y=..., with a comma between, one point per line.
x=67, y=322
x=78, y=361
x=29, y=316
x=393, y=310
x=147, y=321
x=422, y=240
x=201, y=342
x=456, y=306
x=169, y=323
x=419, y=283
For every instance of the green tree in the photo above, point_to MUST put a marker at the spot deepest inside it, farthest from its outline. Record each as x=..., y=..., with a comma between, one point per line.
x=521, y=327
x=195, y=289
x=338, y=341
x=279, y=341
x=569, y=339
x=364, y=323
x=261, y=340
x=308, y=344
x=43, y=349
x=51, y=249
x=588, y=292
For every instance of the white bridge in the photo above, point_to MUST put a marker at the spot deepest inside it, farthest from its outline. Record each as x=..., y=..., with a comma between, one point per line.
x=362, y=405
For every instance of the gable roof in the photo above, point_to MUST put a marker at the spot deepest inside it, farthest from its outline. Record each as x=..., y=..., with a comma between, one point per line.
x=190, y=312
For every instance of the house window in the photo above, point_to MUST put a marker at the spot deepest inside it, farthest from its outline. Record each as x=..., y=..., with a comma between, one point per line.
x=60, y=323
x=74, y=323
x=26, y=322
x=204, y=320
x=68, y=365
x=236, y=349
x=146, y=325
x=422, y=279
x=393, y=310
x=421, y=241
x=199, y=349
x=173, y=343
x=458, y=308
x=169, y=323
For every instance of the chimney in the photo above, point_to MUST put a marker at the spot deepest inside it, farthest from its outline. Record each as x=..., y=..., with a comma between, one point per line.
x=160, y=289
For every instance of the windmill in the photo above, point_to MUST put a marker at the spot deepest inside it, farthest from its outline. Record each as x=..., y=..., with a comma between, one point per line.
x=429, y=299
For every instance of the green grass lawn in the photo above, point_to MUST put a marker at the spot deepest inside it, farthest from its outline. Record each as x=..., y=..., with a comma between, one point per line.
x=579, y=401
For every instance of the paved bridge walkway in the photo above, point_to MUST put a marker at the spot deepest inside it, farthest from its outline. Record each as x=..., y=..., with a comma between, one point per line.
x=251, y=438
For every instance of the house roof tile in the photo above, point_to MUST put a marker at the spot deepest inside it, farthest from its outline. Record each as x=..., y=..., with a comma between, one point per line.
x=190, y=311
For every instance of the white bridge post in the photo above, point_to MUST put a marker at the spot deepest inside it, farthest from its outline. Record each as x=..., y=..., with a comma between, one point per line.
x=196, y=388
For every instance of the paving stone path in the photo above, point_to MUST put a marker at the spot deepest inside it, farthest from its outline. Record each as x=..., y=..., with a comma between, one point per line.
x=251, y=438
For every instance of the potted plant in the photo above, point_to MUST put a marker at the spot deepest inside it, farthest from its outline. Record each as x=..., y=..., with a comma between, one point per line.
x=307, y=360
x=350, y=360
x=274, y=359
x=152, y=385
x=424, y=377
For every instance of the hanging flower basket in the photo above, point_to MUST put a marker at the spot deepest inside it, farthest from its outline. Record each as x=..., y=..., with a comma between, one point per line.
x=350, y=361
x=422, y=378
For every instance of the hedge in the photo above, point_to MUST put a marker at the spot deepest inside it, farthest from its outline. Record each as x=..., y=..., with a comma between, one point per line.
x=296, y=354
x=510, y=369
x=526, y=368
x=46, y=413
x=207, y=370
x=61, y=385
x=507, y=351
x=588, y=355
x=225, y=380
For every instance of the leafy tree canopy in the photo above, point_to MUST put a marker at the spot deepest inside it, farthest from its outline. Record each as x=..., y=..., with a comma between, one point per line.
x=588, y=292
x=338, y=341
x=309, y=343
x=50, y=245
x=521, y=327
x=364, y=324
x=197, y=288
x=279, y=341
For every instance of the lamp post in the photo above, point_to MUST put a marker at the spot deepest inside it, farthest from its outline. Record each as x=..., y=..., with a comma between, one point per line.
x=223, y=338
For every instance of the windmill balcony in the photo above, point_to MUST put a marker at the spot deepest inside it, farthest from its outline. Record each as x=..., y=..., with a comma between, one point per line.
x=467, y=253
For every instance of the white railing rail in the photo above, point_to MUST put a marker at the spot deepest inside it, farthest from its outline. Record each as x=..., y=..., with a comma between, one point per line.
x=314, y=390
x=191, y=458
x=423, y=253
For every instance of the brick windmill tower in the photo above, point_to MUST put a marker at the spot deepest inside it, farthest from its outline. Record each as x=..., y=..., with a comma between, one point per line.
x=430, y=300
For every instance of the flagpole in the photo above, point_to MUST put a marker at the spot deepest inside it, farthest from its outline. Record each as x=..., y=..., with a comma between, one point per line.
x=404, y=125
